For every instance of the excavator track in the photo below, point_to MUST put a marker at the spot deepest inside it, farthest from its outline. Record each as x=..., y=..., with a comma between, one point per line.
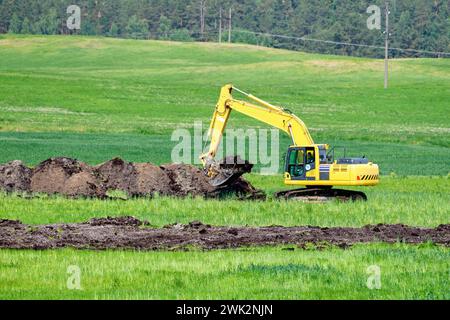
x=321, y=195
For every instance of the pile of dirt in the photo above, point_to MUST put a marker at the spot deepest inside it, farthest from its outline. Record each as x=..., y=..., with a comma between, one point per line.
x=151, y=179
x=15, y=177
x=140, y=179
x=120, y=221
x=66, y=176
x=131, y=233
x=188, y=180
x=73, y=178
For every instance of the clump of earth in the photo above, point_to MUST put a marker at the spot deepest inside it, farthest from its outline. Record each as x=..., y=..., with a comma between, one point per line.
x=72, y=178
x=15, y=176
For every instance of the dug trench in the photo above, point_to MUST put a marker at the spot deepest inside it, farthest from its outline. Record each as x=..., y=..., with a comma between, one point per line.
x=131, y=233
x=75, y=179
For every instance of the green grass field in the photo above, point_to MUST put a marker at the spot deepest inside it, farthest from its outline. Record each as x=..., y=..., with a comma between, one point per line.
x=94, y=99
x=258, y=273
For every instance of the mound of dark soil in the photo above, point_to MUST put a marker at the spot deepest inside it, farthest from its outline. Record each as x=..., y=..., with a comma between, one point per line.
x=188, y=180
x=67, y=177
x=151, y=179
x=117, y=174
x=131, y=233
x=73, y=178
x=120, y=221
x=15, y=177
x=244, y=190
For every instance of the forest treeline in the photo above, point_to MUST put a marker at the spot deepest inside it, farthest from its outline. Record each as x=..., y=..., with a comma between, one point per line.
x=415, y=24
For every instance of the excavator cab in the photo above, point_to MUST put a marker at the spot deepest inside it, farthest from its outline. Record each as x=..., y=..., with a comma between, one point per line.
x=300, y=161
x=316, y=166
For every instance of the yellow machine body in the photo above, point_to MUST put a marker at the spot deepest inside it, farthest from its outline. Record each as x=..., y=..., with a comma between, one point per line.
x=328, y=174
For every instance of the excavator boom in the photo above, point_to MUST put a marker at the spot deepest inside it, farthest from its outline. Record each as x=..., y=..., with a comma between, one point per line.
x=260, y=110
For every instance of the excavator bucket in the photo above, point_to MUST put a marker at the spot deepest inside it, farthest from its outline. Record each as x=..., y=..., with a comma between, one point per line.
x=227, y=171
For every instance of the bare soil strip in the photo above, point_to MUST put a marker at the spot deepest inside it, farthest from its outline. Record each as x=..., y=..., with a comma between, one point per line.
x=131, y=233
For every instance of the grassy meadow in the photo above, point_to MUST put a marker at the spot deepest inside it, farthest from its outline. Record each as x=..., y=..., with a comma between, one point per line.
x=94, y=99
x=128, y=97
x=407, y=272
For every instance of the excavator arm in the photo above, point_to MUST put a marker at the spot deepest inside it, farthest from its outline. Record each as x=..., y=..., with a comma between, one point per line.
x=260, y=110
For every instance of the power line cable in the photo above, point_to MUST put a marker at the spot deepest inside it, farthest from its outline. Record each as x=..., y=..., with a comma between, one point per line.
x=343, y=43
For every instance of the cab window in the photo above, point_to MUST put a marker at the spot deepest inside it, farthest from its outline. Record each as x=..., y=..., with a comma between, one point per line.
x=310, y=157
x=301, y=157
x=296, y=163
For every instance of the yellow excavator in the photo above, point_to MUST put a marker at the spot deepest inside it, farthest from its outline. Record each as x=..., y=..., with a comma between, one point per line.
x=310, y=165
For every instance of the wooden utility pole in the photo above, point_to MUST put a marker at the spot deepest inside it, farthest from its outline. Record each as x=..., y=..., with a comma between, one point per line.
x=229, y=27
x=202, y=17
x=386, y=53
x=220, y=25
